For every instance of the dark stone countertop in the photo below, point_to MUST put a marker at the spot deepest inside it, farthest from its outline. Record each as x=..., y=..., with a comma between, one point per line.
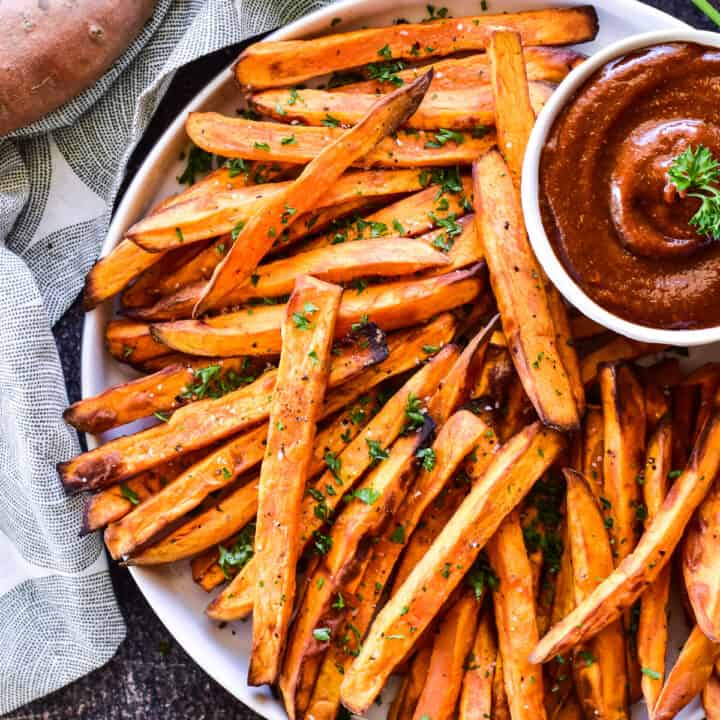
x=151, y=677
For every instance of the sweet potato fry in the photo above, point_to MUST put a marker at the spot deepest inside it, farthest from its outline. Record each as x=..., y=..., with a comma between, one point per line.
x=711, y=697
x=514, y=602
x=415, y=214
x=188, y=429
x=296, y=407
x=559, y=681
x=434, y=519
x=652, y=635
x=516, y=280
x=624, y=457
x=592, y=450
x=616, y=349
x=541, y=63
x=707, y=378
x=684, y=413
x=599, y=665
x=412, y=687
x=508, y=478
x=639, y=569
x=570, y=709
x=239, y=138
x=462, y=108
x=388, y=257
x=130, y=342
x=271, y=64
x=700, y=563
x=378, y=495
x=213, y=524
x=215, y=472
x=461, y=433
x=144, y=290
x=691, y=672
x=208, y=216
x=513, y=105
x=345, y=469
x=117, y=501
x=257, y=236
x=477, y=684
x=160, y=392
x=256, y=330
x=451, y=646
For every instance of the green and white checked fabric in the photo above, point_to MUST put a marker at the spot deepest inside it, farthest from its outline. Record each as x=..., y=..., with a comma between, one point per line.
x=58, y=181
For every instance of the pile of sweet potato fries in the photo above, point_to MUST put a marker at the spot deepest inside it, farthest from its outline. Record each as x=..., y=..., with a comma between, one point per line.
x=386, y=476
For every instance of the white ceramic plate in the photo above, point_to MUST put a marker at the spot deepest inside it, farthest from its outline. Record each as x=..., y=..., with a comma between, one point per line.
x=223, y=653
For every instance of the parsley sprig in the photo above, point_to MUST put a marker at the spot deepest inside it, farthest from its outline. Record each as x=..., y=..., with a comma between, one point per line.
x=695, y=173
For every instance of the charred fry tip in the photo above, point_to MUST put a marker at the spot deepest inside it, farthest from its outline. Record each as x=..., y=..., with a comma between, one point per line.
x=375, y=338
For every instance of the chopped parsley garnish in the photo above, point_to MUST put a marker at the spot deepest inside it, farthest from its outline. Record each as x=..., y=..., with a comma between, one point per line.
x=199, y=161
x=238, y=555
x=398, y=535
x=212, y=382
x=322, y=634
x=413, y=412
x=387, y=72
x=129, y=494
x=334, y=465
x=367, y=495
x=426, y=456
x=237, y=230
x=376, y=450
x=330, y=121
x=444, y=136
x=385, y=51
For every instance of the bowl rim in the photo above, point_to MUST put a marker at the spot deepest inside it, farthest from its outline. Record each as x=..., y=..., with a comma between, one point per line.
x=530, y=186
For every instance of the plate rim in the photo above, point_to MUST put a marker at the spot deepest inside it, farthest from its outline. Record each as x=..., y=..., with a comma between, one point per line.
x=131, y=206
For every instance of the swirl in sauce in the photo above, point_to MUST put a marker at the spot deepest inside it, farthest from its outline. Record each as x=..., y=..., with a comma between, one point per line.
x=616, y=223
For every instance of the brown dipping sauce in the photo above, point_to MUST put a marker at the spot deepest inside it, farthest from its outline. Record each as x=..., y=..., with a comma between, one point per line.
x=614, y=220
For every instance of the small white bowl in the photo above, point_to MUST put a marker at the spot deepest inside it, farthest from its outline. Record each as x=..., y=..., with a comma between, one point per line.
x=531, y=186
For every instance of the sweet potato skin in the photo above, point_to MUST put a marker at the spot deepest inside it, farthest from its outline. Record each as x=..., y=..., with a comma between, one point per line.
x=639, y=569
x=58, y=50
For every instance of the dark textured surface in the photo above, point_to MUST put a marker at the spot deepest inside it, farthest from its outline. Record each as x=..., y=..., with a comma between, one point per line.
x=151, y=677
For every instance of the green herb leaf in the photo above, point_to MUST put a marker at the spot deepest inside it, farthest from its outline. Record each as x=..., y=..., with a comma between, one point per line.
x=129, y=494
